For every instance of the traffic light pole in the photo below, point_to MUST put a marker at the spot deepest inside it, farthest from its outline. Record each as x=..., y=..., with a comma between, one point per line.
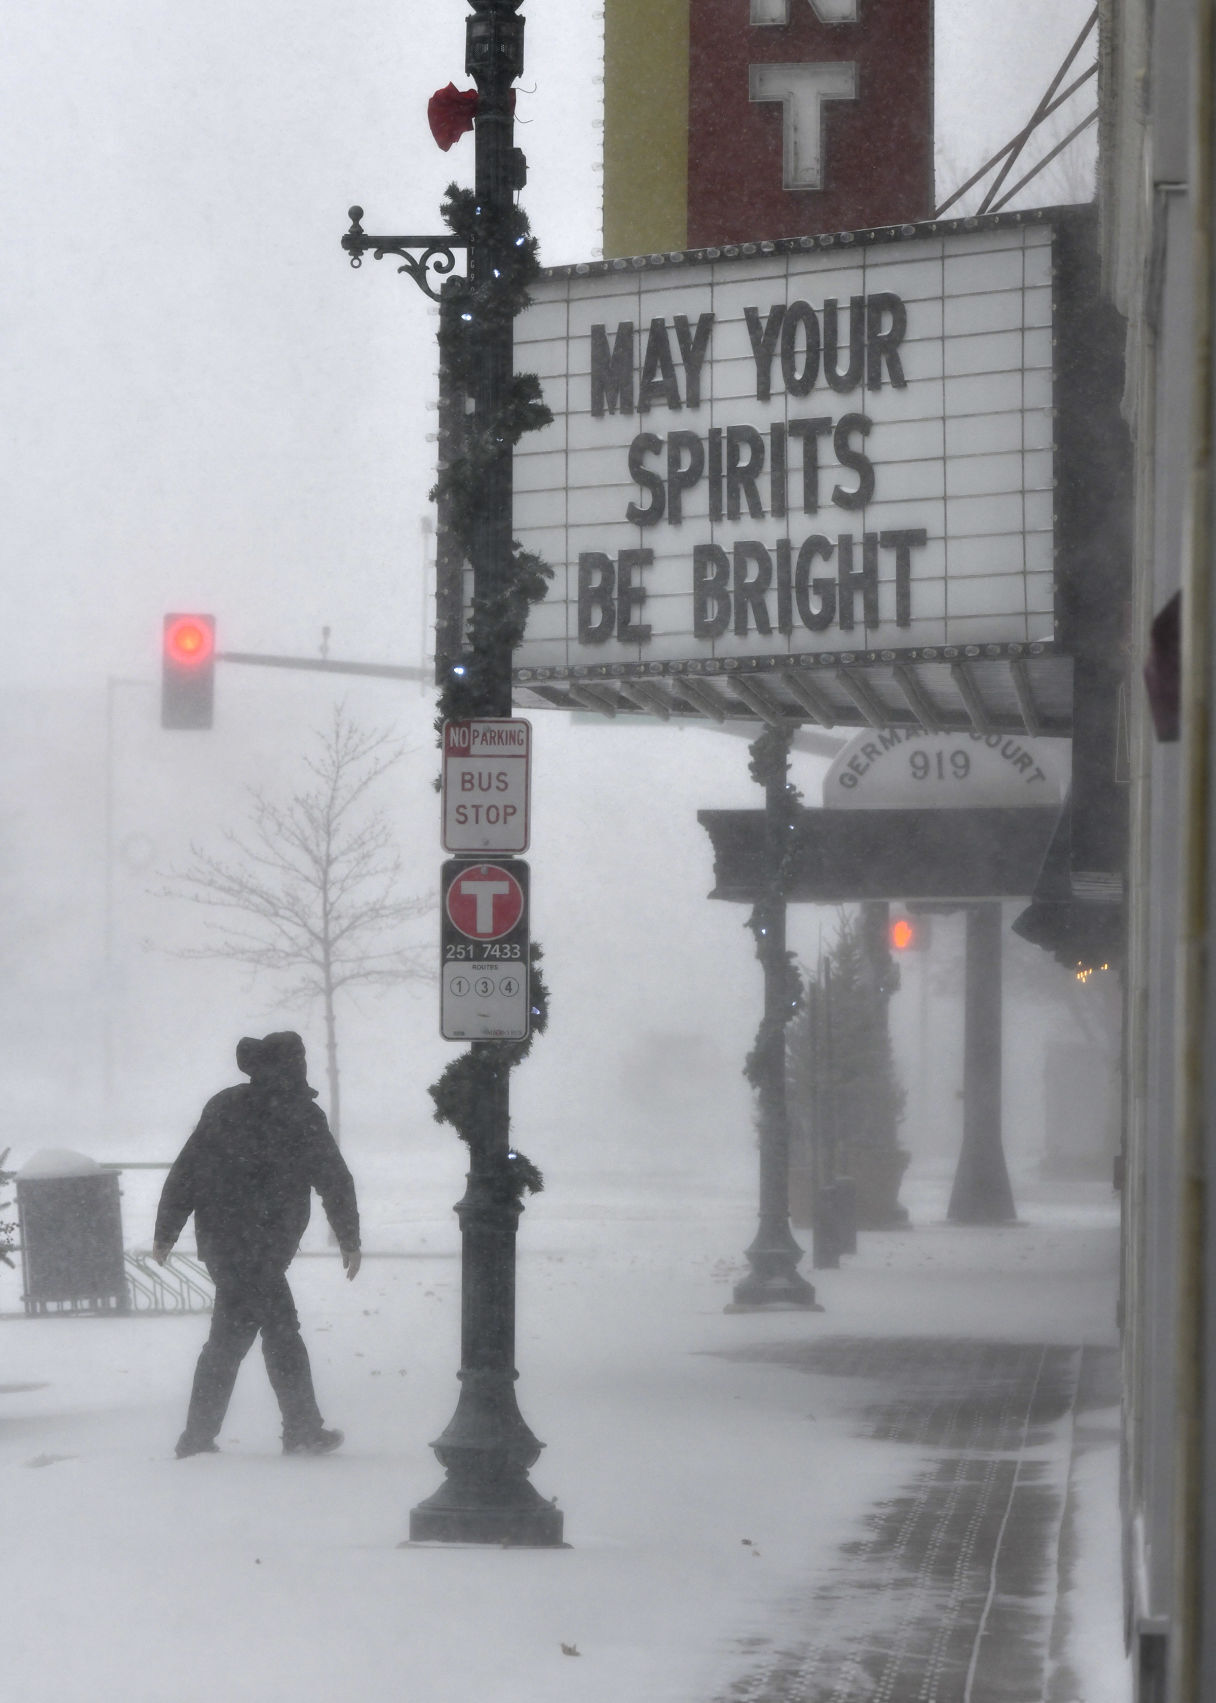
x=322, y=665
x=486, y=1449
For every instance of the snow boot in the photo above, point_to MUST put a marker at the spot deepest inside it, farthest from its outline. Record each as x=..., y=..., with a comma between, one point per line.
x=188, y=1445
x=318, y=1442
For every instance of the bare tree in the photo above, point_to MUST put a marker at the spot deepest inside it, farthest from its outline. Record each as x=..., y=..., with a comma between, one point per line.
x=310, y=890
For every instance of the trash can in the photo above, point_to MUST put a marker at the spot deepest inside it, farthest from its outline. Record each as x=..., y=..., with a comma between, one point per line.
x=71, y=1235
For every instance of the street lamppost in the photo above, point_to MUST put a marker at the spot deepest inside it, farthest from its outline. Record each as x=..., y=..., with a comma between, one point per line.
x=774, y=1279
x=486, y=1447
x=982, y=1193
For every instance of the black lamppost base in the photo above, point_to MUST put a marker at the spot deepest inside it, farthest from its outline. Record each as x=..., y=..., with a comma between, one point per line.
x=782, y=1292
x=774, y=1281
x=485, y=1451
x=517, y=1516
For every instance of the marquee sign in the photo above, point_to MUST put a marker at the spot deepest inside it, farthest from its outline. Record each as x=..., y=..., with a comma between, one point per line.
x=793, y=452
x=809, y=480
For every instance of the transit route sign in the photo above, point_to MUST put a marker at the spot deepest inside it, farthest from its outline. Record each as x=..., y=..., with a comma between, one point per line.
x=486, y=785
x=484, y=947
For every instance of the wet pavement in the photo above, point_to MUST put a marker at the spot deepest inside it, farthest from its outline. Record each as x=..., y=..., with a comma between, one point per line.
x=951, y=1595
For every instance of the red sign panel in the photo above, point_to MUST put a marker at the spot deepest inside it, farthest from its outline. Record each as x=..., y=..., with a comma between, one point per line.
x=484, y=901
x=808, y=116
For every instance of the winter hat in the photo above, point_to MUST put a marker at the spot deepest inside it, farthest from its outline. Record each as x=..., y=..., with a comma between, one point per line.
x=280, y=1053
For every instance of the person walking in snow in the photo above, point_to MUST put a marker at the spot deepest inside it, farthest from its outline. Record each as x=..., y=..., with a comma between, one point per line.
x=247, y=1174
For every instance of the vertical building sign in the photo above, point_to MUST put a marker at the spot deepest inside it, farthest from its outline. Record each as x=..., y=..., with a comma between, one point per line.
x=808, y=116
x=803, y=116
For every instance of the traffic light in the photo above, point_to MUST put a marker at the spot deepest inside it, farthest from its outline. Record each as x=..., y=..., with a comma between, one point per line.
x=907, y=933
x=187, y=671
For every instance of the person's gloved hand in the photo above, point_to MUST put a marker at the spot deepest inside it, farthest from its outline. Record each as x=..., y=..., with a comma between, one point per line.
x=160, y=1252
x=352, y=1259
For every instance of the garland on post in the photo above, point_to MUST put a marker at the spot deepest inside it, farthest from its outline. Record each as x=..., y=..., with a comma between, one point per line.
x=469, y=1078
x=769, y=766
x=497, y=619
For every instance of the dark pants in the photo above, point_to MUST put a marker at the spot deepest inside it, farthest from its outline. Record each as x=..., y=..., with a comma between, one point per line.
x=249, y=1299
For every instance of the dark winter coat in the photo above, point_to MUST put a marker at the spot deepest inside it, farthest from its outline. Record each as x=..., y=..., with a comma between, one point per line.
x=247, y=1174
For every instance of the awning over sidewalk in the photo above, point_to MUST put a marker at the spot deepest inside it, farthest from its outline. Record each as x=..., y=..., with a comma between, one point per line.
x=842, y=856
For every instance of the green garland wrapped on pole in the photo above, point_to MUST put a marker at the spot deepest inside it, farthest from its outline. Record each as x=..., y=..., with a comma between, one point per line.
x=472, y=451
x=478, y=443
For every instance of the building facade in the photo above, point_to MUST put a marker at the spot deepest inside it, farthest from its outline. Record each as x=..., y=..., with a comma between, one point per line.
x=1155, y=197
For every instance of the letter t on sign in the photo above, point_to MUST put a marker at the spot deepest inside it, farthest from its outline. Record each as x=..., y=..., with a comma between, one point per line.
x=827, y=11
x=802, y=91
x=483, y=894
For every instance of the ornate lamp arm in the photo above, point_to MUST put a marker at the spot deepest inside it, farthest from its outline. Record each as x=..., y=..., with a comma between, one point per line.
x=422, y=257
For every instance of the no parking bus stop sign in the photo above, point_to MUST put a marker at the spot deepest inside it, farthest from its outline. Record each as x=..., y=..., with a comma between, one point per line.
x=484, y=940
x=486, y=785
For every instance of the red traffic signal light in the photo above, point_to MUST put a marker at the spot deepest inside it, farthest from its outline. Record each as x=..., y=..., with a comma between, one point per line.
x=187, y=671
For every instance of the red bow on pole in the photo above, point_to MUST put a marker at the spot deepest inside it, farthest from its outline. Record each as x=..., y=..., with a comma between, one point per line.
x=450, y=113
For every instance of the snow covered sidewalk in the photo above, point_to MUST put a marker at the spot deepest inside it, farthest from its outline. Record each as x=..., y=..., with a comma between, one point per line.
x=721, y=1480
